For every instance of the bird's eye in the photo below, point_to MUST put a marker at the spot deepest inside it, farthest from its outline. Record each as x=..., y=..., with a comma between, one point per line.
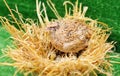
x=53, y=28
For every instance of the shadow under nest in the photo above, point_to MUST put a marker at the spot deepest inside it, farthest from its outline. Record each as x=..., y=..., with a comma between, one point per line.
x=37, y=52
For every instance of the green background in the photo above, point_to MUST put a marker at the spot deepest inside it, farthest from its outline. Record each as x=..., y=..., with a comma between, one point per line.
x=107, y=11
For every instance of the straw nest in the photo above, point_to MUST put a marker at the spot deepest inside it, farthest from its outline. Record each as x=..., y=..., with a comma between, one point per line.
x=48, y=48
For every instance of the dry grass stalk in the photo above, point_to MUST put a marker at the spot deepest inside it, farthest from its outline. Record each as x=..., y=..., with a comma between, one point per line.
x=34, y=54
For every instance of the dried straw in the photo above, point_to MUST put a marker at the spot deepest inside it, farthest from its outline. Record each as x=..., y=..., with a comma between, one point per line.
x=33, y=53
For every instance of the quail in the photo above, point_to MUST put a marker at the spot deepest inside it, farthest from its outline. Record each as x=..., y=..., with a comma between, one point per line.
x=69, y=35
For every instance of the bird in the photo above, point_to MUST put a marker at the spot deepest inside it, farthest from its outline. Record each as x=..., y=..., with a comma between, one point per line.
x=69, y=35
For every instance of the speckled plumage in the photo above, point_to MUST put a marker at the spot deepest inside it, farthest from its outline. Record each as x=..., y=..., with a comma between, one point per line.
x=69, y=35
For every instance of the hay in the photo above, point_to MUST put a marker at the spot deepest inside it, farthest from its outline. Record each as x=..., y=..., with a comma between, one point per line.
x=34, y=54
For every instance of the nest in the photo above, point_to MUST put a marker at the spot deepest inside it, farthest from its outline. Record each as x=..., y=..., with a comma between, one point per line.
x=50, y=49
